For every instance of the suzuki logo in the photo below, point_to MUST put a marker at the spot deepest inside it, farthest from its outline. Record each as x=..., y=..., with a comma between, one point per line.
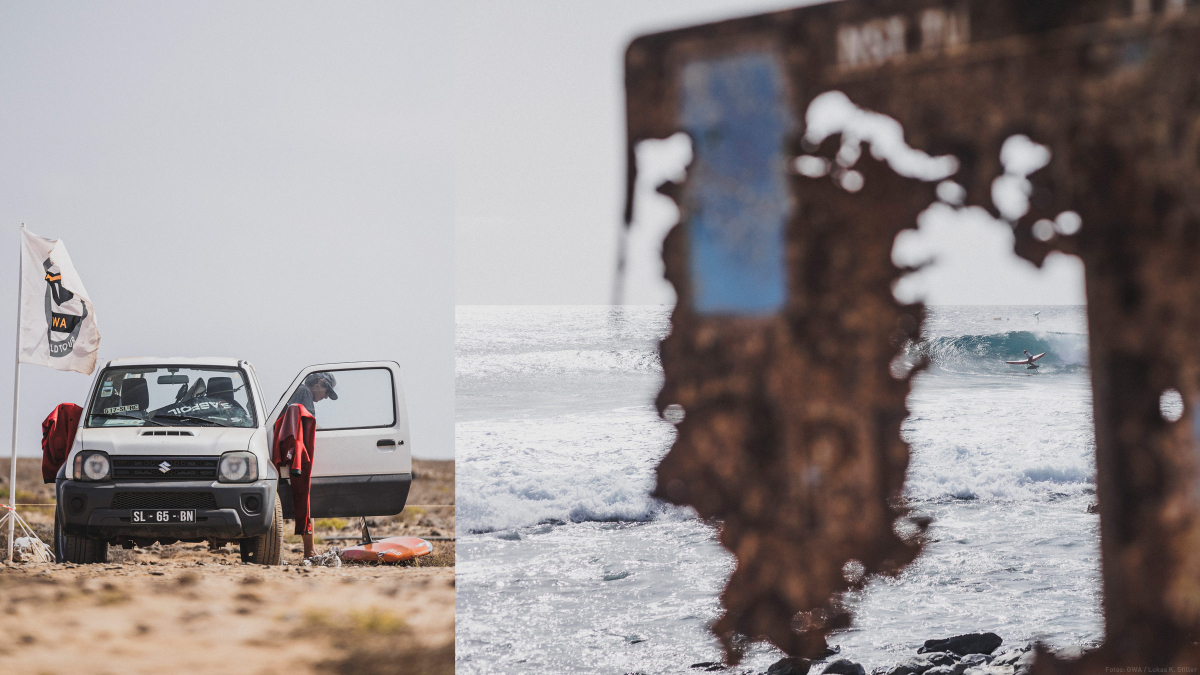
x=165, y=466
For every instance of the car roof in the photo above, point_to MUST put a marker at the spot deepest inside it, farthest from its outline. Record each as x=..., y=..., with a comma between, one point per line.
x=222, y=361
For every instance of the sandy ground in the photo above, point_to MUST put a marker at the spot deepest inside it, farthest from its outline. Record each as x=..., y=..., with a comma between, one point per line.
x=185, y=608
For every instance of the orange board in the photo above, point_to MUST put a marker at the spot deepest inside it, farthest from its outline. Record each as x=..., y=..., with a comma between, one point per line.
x=390, y=550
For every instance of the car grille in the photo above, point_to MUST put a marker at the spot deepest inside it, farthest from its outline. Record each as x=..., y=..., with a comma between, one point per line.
x=165, y=468
x=164, y=500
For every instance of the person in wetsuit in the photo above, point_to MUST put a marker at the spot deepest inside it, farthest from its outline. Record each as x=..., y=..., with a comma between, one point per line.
x=316, y=387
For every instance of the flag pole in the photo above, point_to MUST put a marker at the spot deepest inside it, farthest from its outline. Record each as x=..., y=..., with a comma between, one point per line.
x=12, y=465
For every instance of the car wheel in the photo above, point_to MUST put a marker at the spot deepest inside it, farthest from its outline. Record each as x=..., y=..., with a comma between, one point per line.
x=266, y=549
x=74, y=549
x=59, y=545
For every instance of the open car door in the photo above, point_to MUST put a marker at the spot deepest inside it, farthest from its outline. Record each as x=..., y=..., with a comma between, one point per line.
x=362, y=465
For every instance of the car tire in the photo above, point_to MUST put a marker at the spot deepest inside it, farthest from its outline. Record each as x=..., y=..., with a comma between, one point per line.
x=60, y=545
x=74, y=549
x=266, y=549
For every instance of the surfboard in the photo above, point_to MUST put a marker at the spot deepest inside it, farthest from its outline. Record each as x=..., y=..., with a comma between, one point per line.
x=389, y=550
x=1029, y=360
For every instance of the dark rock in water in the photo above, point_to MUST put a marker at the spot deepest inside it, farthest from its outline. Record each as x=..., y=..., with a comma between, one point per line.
x=844, y=667
x=913, y=666
x=969, y=661
x=1010, y=658
x=1094, y=507
x=829, y=651
x=791, y=665
x=917, y=665
x=942, y=658
x=971, y=643
x=975, y=660
x=1021, y=660
x=708, y=666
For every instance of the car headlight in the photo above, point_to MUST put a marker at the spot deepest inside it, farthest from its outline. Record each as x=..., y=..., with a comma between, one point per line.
x=238, y=467
x=92, y=466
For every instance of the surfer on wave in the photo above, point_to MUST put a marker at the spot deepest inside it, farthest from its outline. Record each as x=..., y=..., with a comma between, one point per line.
x=1028, y=360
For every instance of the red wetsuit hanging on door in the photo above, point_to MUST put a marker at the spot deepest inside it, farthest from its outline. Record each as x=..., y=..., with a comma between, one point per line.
x=295, y=432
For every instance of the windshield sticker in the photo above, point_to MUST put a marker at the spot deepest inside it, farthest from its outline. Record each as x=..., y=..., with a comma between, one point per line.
x=205, y=405
x=122, y=408
x=139, y=394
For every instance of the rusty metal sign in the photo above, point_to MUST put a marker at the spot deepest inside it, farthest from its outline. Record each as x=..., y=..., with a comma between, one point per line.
x=786, y=328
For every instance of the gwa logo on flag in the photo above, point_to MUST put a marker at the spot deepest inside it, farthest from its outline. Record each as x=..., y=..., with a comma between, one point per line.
x=58, y=321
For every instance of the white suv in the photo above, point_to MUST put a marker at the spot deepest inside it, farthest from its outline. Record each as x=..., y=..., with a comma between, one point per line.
x=179, y=449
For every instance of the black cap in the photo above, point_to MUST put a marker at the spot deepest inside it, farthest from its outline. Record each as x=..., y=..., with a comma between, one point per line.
x=326, y=379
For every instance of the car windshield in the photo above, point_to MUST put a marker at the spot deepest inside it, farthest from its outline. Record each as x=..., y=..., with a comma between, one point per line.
x=171, y=396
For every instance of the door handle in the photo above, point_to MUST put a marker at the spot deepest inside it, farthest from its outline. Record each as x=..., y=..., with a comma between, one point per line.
x=387, y=442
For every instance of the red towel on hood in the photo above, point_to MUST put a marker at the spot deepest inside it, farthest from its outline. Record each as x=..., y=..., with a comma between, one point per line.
x=58, y=433
x=295, y=432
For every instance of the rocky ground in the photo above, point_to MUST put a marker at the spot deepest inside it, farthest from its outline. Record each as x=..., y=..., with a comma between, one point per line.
x=970, y=654
x=185, y=608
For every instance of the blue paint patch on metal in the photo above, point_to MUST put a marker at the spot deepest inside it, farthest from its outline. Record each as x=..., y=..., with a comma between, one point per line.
x=736, y=111
x=1196, y=421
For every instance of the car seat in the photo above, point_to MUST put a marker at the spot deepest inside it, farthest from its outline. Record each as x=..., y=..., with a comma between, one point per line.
x=222, y=388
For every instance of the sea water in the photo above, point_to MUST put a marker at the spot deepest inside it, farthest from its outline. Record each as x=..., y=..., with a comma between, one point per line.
x=566, y=565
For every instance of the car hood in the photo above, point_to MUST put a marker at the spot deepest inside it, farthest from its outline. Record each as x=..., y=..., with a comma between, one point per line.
x=151, y=441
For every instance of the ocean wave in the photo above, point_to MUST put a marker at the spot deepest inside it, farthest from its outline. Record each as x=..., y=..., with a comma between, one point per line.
x=516, y=507
x=1065, y=352
x=940, y=480
x=575, y=468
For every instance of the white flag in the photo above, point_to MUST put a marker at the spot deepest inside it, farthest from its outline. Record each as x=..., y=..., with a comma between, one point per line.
x=58, y=321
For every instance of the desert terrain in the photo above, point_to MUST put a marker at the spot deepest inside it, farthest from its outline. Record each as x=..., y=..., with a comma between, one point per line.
x=186, y=608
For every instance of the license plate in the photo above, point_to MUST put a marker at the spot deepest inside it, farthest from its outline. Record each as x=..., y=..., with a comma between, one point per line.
x=164, y=516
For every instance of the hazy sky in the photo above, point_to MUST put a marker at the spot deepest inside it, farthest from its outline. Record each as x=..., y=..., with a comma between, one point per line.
x=540, y=166
x=268, y=181
x=295, y=182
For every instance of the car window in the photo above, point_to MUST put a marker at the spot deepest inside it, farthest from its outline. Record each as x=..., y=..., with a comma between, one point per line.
x=365, y=397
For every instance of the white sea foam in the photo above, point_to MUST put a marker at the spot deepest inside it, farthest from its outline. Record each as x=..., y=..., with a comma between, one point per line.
x=1037, y=443
x=560, y=362
x=569, y=468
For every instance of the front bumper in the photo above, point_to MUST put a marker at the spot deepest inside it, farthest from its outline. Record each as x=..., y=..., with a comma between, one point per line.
x=88, y=509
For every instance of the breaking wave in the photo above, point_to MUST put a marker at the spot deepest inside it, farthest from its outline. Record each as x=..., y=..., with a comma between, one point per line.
x=988, y=353
x=981, y=480
x=518, y=473
x=525, y=503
